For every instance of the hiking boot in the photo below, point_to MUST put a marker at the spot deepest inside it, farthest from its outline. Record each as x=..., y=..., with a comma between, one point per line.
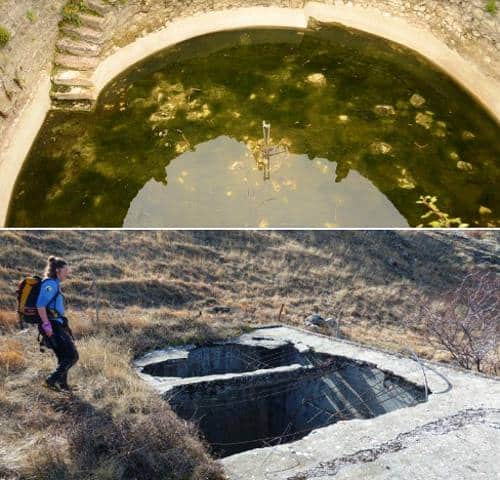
x=49, y=383
x=67, y=388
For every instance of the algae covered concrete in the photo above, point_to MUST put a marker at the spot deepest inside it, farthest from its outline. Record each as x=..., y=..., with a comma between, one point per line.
x=452, y=435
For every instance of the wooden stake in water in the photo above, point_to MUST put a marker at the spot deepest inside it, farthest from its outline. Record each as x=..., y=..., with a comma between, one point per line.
x=268, y=150
x=266, y=131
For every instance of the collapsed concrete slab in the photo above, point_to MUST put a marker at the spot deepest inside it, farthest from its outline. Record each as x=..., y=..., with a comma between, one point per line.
x=284, y=403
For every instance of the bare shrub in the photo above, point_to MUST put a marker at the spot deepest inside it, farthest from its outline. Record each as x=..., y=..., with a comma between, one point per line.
x=466, y=321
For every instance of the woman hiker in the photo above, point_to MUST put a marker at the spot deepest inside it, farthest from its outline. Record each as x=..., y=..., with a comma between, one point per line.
x=54, y=326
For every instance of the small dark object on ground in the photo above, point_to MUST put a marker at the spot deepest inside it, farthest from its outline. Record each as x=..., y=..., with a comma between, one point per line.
x=219, y=309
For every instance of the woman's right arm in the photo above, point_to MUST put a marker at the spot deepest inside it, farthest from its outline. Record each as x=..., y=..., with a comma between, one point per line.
x=46, y=326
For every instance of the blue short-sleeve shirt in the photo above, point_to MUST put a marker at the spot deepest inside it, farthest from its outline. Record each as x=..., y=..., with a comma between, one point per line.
x=51, y=297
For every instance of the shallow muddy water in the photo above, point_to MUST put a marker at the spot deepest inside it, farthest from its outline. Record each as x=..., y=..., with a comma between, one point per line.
x=361, y=128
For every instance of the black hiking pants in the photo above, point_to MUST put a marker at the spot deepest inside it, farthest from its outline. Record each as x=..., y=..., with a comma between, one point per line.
x=65, y=350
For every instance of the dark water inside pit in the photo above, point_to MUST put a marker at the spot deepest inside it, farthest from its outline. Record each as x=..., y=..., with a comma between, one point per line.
x=369, y=127
x=250, y=412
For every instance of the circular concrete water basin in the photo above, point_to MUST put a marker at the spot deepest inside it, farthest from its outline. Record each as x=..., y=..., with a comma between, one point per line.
x=356, y=131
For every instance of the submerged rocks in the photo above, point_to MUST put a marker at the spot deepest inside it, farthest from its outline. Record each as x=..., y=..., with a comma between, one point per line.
x=440, y=130
x=466, y=135
x=203, y=112
x=424, y=120
x=317, y=79
x=417, y=100
x=182, y=146
x=464, y=166
x=384, y=110
x=461, y=164
x=380, y=148
x=485, y=210
x=406, y=181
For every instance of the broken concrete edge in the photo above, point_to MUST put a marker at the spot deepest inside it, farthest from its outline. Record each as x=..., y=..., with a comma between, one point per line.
x=470, y=393
x=322, y=444
x=164, y=384
x=18, y=140
x=305, y=371
x=425, y=361
x=158, y=354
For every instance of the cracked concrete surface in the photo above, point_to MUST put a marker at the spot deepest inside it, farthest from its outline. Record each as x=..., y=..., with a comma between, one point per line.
x=464, y=420
x=453, y=435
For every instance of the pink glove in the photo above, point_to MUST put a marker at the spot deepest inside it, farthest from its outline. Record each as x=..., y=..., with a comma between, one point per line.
x=47, y=328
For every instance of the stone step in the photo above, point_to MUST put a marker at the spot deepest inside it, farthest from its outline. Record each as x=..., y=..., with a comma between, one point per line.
x=92, y=21
x=98, y=6
x=74, y=94
x=78, y=47
x=73, y=106
x=75, y=62
x=72, y=78
x=87, y=34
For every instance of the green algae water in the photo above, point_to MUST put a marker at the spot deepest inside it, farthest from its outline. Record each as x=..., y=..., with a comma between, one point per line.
x=361, y=133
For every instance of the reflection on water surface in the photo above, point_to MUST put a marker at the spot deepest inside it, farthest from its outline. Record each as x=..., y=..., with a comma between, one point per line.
x=220, y=184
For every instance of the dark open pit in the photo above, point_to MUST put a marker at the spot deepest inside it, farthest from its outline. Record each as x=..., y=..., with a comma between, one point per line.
x=254, y=411
x=226, y=358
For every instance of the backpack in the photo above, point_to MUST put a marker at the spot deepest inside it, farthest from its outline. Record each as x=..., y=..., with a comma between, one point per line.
x=27, y=292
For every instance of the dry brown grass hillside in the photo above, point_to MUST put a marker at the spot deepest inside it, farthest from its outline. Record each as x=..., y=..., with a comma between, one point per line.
x=369, y=276
x=156, y=288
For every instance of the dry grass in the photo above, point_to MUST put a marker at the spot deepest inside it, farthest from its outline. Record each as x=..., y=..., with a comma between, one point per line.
x=114, y=427
x=393, y=338
x=12, y=359
x=8, y=321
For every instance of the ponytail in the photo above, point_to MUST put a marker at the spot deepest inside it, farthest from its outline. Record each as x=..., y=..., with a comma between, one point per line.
x=53, y=265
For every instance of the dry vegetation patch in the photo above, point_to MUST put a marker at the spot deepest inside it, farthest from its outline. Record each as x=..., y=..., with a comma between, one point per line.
x=12, y=358
x=113, y=426
x=8, y=321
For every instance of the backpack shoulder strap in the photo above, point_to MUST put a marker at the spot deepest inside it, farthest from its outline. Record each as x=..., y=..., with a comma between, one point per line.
x=55, y=294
